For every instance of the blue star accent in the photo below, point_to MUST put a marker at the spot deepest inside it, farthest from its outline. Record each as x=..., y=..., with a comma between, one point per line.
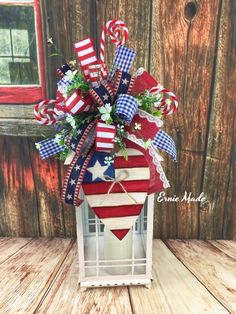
x=98, y=159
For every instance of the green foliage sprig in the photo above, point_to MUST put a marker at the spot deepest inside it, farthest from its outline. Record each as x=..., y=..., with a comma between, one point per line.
x=147, y=103
x=78, y=83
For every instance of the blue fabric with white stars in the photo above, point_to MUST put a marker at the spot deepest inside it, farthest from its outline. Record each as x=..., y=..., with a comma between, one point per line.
x=73, y=179
x=104, y=94
x=123, y=84
x=77, y=137
x=100, y=157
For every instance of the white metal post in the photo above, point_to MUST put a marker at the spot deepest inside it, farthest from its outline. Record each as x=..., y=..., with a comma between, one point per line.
x=149, y=236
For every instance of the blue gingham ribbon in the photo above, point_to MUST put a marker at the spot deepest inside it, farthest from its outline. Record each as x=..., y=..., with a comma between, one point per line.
x=126, y=106
x=49, y=147
x=123, y=60
x=164, y=142
x=64, y=82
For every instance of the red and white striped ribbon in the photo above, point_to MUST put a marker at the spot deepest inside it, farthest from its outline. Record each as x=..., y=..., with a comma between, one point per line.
x=105, y=135
x=86, y=54
x=114, y=27
x=165, y=107
x=45, y=115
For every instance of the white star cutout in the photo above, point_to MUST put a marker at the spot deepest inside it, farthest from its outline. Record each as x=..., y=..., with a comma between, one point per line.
x=79, y=132
x=97, y=170
x=125, y=81
x=77, y=167
x=72, y=181
x=105, y=97
x=69, y=196
x=72, y=146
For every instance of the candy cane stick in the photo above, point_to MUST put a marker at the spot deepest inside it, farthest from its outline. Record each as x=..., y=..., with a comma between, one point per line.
x=114, y=27
x=165, y=107
x=45, y=115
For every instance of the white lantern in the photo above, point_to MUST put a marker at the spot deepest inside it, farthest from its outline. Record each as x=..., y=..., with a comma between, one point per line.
x=105, y=260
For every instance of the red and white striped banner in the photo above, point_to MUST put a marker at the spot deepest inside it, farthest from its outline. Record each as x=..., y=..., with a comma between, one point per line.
x=105, y=135
x=86, y=55
x=75, y=103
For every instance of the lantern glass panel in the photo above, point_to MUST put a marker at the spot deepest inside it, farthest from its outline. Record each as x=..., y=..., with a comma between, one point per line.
x=95, y=264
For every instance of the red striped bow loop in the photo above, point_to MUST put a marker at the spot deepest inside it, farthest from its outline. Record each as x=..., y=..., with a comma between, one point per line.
x=105, y=137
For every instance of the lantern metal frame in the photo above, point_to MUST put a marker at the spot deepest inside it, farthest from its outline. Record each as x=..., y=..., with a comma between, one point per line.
x=90, y=240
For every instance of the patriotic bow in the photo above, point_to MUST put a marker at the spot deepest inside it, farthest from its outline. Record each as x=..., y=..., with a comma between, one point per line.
x=116, y=88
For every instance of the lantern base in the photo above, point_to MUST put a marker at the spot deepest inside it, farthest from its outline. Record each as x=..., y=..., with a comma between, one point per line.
x=113, y=282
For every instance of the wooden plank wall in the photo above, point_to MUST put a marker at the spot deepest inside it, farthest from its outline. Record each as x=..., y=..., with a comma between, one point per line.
x=190, y=47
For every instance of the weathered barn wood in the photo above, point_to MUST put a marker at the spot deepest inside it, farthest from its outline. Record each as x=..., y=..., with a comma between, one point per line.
x=189, y=50
x=218, y=220
x=183, y=60
x=18, y=202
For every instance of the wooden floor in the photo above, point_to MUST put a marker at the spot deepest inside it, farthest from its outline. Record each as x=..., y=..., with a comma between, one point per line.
x=190, y=276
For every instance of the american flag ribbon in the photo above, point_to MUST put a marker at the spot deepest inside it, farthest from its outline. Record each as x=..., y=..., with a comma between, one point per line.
x=123, y=83
x=49, y=147
x=123, y=60
x=102, y=94
x=74, y=178
x=126, y=107
x=164, y=142
x=105, y=135
x=82, y=141
x=86, y=54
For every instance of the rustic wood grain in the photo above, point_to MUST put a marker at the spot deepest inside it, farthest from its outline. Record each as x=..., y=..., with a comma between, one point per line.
x=172, y=285
x=76, y=20
x=182, y=59
x=24, y=127
x=10, y=246
x=18, y=204
x=137, y=16
x=226, y=246
x=218, y=218
x=42, y=277
x=29, y=274
x=25, y=111
x=65, y=296
x=48, y=185
x=56, y=26
x=212, y=267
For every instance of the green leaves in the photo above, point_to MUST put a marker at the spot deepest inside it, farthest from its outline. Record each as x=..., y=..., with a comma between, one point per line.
x=149, y=103
x=78, y=83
